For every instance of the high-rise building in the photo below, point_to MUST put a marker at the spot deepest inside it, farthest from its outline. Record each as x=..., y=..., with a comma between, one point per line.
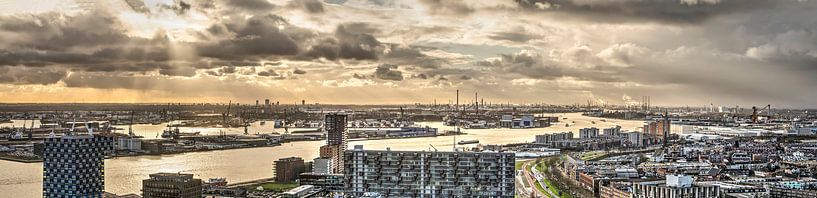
x=288, y=169
x=636, y=139
x=587, y=133
x=335, y=125
x=74, y=165
x=335, y=154
x=171, y=185
x=429, y=173
x=613, y=131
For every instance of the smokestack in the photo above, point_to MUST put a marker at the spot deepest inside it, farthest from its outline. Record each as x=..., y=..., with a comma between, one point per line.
x=457, y=105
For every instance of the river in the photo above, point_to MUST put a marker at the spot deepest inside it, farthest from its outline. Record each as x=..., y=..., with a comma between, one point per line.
x=125, y=174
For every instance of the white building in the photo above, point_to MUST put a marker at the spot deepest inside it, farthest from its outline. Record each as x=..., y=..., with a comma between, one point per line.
x=322, y=166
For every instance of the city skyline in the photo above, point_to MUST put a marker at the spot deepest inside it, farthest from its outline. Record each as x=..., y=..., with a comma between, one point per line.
x=678, y=52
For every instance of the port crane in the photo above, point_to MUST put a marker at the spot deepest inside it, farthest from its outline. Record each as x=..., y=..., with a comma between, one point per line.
x=755, y=111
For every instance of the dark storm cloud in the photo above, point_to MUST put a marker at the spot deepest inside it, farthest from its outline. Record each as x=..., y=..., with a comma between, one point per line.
x=411, y=55
x=250, y=5
x=94, y=41
x=519, y=37
x=267, y=73
x=54, y=31
x=448, y=7
x=311, y=6
x=350, y=41
x=534, y=65
x=27, y=75
x=179, y=8
x=259, y=35
x=667, y=11
x=178, y=70
x=388, y=72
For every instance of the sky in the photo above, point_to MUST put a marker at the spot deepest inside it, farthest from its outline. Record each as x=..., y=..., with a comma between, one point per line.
x=678, y=52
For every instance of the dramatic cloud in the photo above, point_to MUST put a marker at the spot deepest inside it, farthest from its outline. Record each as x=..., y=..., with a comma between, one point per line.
x=669, y=11
x=680, y=52
x=388, y=72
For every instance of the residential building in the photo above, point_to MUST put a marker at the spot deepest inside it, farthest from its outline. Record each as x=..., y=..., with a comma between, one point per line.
x=553, y=137
x=429, y=174
x=335, y=125
x=613, y=132
x=675, y=186
x=74, y=165
x=171, y=185
x=635, y=139
x=322, y=165
x=328, y=182
x=588, y=133
x=288, y=169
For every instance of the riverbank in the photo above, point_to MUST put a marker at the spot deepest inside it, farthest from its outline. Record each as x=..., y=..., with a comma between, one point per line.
x=124, y=175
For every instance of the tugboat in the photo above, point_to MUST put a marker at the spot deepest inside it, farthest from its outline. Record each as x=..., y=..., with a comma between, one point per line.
x=463, y=142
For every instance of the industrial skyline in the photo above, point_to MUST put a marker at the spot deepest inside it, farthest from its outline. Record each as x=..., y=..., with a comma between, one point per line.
x=678, y=52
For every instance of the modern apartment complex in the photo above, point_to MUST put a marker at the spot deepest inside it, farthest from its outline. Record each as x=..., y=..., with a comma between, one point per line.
x=429, y=174
x=74, y=165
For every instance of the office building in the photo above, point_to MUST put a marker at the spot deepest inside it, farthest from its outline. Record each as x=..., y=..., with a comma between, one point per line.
x=288, y=169
x=429, y=173
x=171, y=185
x=588, y=133
x=74, y=165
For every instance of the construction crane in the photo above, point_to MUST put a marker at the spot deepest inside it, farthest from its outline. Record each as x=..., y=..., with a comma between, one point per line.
x=755, y=111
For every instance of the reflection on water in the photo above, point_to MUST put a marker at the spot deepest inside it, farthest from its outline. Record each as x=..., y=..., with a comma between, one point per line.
x=125, y=174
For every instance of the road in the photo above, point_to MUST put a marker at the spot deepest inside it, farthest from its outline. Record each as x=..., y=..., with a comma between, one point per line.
x=531, y=176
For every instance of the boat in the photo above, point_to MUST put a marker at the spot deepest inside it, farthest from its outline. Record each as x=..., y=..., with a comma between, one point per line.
x=216, y=182
x=170, y=133
x=262, y=123
x=462, y=142
x=593, y=122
